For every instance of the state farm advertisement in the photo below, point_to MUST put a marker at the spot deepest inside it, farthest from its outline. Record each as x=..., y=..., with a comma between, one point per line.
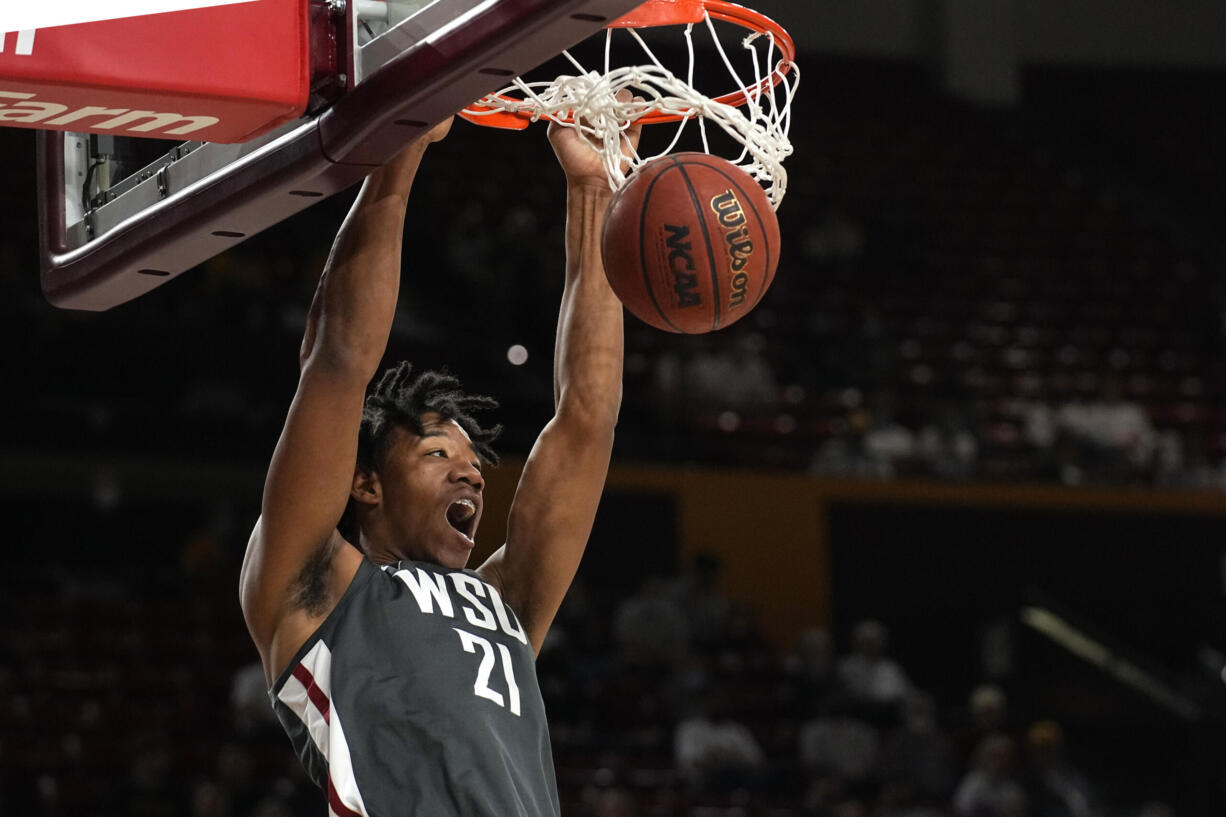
x=225, y=73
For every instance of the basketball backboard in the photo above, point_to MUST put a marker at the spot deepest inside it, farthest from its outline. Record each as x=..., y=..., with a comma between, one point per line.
x=121, y=215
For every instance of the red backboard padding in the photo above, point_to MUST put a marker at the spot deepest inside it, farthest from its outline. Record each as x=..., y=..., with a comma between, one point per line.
x=332, y=148
x=229, y=73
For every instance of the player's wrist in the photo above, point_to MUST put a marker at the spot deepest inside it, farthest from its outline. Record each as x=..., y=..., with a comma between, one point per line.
x=595, y=185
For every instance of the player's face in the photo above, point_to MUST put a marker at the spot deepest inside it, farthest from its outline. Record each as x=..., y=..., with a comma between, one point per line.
x=432, y=489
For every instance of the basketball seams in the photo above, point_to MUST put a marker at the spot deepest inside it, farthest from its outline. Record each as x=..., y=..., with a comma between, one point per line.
x=766, y=239
x=716, y=295
x=651, y=292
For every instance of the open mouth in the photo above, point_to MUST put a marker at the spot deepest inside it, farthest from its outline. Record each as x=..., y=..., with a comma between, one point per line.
x=462, y=515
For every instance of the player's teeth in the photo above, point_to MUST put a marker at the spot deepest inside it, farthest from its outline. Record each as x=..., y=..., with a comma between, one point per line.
x=464, y=509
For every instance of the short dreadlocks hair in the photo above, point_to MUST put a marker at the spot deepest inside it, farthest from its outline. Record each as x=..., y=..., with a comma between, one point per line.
x=398, y=399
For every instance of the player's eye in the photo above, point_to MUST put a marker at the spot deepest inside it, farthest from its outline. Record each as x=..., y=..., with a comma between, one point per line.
x=436, y=452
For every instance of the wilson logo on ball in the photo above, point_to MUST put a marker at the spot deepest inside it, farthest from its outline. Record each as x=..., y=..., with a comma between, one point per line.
x=690, y=243
x=681, y=262
x=731, y=216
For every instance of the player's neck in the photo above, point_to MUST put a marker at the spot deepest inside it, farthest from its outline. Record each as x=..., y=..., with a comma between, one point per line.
x=374, y=542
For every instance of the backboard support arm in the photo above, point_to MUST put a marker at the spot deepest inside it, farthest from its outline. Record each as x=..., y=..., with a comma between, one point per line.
x=183, y=219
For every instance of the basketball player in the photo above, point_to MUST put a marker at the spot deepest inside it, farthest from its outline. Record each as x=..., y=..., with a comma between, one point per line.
x=406, y=682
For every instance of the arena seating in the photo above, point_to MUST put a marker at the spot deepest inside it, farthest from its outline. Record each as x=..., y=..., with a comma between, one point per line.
x=1005, y=257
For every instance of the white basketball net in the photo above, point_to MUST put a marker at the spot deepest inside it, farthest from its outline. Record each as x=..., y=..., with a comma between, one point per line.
x=589, y=103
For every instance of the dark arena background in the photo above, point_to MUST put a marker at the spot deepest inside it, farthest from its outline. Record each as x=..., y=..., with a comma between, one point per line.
x=937, y=530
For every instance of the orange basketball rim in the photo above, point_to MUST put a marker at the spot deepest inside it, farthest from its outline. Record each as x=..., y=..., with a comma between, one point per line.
x=655, y=14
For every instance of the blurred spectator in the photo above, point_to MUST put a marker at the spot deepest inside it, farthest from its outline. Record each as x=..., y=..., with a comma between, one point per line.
x=991, y=788
x=945, y=445
x=730, y=373
x=713, y=750
x=873, y=352
x=670, y=393
x=810, y=666
x=1037, y=415
x=888, y=444
x=706, y=609
x=1114, y=435
x=986, y=714
x=869, y=674
x=919, y=753
x=839, y=744
x=1054, y=789
x=1170, y=463
x=844, y=454
x=744, y=647
x=1198, y=467
x=751, y=380
x=649, y=626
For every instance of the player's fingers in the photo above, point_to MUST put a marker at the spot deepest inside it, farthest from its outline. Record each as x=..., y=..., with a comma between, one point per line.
x=636, y=128
x=632, y=136
x=439, y=131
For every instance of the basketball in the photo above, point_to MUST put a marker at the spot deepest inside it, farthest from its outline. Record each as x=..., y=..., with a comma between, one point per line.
x=691, y=243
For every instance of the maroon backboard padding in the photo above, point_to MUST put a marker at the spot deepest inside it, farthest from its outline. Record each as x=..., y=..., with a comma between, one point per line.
x=365, y=128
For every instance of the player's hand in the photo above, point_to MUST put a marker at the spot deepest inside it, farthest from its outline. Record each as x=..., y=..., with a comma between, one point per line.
x=403, y=165
x=581, y=160
x=438, y=132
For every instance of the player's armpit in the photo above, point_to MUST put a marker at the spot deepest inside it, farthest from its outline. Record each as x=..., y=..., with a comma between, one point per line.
x=311, y=596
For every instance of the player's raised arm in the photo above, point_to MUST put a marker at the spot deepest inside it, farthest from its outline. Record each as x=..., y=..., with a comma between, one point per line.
x=555, y=504
x=312, y=468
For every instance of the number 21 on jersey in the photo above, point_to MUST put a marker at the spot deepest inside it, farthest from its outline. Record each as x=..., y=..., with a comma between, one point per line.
x=481, y=688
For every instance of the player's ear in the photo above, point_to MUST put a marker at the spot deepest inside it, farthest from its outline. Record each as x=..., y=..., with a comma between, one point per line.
x=366, y=487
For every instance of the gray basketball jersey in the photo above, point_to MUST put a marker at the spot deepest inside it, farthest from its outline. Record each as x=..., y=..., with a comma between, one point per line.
x=418, y=697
